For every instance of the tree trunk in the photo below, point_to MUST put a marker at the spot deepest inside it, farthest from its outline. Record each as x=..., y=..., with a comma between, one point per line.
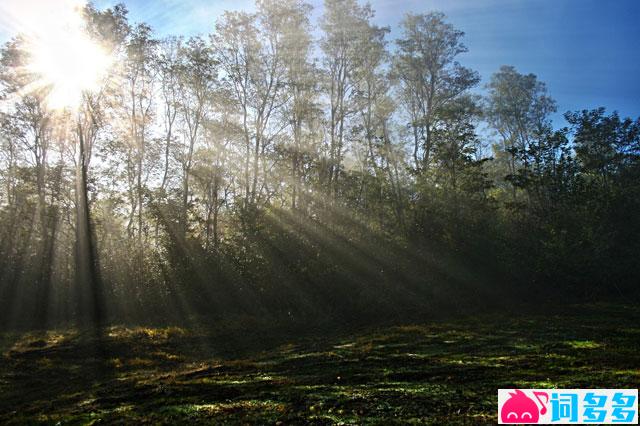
x=87, y=269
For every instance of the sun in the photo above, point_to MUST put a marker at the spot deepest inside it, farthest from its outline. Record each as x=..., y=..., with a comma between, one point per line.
x=64, y=60
x=68, y=66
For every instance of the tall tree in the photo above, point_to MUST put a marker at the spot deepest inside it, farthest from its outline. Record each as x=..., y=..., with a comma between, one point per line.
x=518, y=109
x=109, y=28
x=139, y=73
x=346, y=29
x=430, y=77
x=198, y=74
x=28, y=126
x=236, y=48
x=169, y=76
x=301, y=84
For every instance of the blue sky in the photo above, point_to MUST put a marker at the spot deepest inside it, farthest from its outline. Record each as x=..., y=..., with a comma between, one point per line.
x=587, y=51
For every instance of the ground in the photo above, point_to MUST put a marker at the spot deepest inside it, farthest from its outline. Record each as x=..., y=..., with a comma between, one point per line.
x=439, y=372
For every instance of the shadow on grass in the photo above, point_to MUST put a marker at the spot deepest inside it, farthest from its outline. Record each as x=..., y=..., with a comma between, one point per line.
x=441, y=372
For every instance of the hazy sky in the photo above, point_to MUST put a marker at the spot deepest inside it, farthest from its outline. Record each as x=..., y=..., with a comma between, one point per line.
x=587, y=51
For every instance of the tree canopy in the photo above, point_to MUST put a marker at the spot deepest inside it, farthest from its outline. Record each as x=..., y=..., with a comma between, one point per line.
x=261, y=171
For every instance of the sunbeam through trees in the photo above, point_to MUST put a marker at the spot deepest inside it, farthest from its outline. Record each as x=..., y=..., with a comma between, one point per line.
x=293, y=170
x=263, y=171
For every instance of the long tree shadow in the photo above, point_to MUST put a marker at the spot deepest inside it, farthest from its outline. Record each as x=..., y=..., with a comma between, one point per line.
x=438, y=372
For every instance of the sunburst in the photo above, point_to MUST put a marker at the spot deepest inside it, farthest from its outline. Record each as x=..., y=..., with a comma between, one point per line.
x=61, y=56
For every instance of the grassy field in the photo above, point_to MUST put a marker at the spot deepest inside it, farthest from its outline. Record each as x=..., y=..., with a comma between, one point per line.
x=441, y=372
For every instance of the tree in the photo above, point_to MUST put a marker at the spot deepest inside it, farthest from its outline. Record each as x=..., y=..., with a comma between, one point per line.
x=28, y=126
x=250, y=49
x=430, y=77
x=374, y=110
x=108, y=28
x=346, y=28
x=518, y=109
x=301, y=83
x=198, y=78
x=139, y=69
x=169, y=70
x=605, y=145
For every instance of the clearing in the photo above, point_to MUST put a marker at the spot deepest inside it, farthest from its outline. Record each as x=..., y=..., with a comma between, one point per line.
x=438, y=372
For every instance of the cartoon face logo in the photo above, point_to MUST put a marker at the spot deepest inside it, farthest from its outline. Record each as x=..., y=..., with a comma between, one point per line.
x=519, y=408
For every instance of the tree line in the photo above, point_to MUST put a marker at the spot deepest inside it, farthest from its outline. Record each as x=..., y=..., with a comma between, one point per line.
x=288, y=171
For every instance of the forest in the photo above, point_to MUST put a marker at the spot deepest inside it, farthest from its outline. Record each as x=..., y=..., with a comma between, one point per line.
x=286, y=180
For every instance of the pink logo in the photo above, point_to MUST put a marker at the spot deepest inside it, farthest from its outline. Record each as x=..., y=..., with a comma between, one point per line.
x=519, y=408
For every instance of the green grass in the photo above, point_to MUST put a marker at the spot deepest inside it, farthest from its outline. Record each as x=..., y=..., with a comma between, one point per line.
x=442, y=372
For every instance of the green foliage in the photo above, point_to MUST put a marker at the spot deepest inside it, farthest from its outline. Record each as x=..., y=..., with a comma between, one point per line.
x=238, y=176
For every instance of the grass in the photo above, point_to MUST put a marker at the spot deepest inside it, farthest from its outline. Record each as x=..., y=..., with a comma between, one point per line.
x=441, y=372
